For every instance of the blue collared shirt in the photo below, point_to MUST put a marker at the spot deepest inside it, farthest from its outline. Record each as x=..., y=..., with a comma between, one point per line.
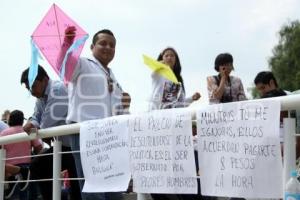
x=51, y=110
x=3, y=126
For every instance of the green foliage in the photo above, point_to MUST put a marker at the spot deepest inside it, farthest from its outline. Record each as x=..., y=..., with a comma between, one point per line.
x=254, y=93
x=285, y=62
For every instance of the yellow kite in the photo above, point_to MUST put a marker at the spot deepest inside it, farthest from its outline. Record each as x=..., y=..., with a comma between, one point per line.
x=160, y=68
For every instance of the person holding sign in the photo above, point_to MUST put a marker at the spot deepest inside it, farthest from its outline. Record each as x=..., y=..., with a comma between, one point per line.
x=266, y=84
x=165, y=93
x=224, y=88
x=94, y=93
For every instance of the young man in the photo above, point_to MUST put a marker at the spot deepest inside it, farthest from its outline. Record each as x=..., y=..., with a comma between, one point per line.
x=267, y=86
x=20, y=165
x=50, y=110
x=94, y=93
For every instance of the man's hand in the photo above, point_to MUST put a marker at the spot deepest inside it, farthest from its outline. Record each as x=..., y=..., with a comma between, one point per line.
x=70, y=34
x=126, y=99
x=196, y=96
x=28, y=126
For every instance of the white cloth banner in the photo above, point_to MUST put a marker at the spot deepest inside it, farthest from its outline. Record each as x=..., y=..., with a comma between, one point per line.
x=105, y=155
x=161, y=152
x=239, y=149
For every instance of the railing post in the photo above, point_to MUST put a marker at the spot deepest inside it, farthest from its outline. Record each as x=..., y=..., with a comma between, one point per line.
x=56, y=170
x=289, y=148
x=2, y=172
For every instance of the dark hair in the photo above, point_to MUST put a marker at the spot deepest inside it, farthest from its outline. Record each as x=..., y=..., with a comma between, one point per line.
x=16, y=118
x=40, y=76
x=265, y=77
x=177, y=67
x=106, y=31
x=222, y=59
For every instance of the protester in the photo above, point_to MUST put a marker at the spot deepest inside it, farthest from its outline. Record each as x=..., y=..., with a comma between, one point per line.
x=5, y=116
x=94, y=93
x=19, y=149
x=50, y=110
x=166, y=94
x=267, y=86
x=224, y=88
x=3, y=126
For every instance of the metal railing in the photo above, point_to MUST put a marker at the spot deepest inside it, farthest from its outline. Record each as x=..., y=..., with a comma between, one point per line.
x=291, y=102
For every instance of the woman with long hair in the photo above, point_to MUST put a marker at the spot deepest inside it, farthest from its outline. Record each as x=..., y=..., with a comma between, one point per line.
x=165, y=93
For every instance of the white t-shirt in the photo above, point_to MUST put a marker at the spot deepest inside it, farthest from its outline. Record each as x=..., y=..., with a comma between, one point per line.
x=166, y=94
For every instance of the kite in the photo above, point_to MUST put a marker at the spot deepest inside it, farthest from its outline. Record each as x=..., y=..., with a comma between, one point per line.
x=160, y=68
x=60, y=40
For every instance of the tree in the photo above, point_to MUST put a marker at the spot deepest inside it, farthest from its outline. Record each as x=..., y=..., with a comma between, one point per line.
x=254, y=93
x=285, y=62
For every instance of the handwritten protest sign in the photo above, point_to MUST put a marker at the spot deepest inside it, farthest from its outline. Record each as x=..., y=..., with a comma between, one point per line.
x=239, y=149
x=104, y=154
x=161, y=152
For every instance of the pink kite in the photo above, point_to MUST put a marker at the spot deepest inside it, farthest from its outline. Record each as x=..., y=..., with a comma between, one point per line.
x=59, y=39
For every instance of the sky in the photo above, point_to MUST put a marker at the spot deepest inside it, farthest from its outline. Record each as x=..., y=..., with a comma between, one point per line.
x=198, y=29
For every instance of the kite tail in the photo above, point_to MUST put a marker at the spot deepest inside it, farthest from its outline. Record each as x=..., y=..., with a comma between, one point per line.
x=72, y=48
x=33, y=68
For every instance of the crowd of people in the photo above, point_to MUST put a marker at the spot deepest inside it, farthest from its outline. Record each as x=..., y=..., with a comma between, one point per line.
x=94, y=93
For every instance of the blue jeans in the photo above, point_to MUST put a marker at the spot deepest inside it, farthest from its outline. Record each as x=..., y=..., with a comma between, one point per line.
x=75, y=146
